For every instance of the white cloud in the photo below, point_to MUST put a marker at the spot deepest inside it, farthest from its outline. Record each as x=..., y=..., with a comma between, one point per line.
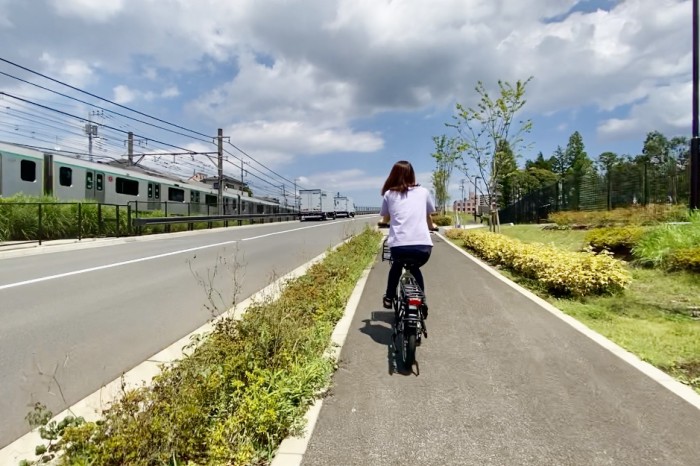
x=666, y=110
x=89, y=10
x=276, y=141
x=302, y=72
x=169, y=92
x=76, y=72
x=123, y=95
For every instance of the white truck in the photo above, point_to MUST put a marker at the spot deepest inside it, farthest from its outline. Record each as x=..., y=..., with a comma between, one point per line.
x=316, y=204
x=344, y=206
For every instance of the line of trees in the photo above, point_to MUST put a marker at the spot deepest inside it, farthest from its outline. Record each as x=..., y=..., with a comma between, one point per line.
x=488, y=137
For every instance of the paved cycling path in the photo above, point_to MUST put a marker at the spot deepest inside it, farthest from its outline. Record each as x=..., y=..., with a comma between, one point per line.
x=502, y=382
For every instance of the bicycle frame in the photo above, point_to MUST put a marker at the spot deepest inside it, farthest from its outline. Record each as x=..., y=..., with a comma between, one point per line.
x=408, y=316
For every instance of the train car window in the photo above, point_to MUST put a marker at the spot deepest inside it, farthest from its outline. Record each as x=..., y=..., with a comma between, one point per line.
x=150, y=190
x=99, y=182
x=194, y=197
x=28, y=170
x=157, y=191
x=65, y=176
x=176, y=195
x=210, y=200
x=126, y=186
x=88, y=180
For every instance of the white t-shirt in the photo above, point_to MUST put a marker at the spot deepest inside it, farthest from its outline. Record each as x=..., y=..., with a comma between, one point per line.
x=408, y=211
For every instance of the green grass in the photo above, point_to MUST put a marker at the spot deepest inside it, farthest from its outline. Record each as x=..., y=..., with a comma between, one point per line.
x=652, y=318
x=570, y=240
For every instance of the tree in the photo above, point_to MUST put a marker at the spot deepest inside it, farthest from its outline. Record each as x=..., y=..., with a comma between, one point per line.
x=482, y=129
x=445, y=156
x=580, y=165
x=560, y=163
x=540, y=163
x=606, y=162
x=506, y=167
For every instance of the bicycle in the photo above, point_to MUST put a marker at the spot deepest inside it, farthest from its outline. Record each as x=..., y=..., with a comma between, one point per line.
x=409, y=306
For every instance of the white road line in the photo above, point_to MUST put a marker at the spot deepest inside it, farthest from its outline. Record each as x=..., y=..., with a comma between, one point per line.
x=143, y=259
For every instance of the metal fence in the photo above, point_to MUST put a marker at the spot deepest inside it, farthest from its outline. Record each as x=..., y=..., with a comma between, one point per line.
x=621, y=186
x=42, y=221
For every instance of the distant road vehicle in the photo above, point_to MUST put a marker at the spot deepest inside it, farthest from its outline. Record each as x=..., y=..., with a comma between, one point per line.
x=316, y=204
x=344, y=206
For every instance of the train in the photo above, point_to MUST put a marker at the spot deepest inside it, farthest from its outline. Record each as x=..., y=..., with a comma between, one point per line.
x=34, y=172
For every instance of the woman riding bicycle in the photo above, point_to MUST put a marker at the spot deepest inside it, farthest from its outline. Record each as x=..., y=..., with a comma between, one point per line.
x=406, y=206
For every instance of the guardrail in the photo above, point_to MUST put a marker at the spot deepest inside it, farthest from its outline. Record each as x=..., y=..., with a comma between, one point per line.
x=210, y=219
x=42, y=221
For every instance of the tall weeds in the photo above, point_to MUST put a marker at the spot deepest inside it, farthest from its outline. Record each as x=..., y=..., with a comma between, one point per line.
x=655, y=247
x=243, y=389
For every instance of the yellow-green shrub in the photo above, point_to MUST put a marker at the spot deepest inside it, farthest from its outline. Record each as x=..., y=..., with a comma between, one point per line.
x=442, y=220
x=685, y=259
x=614, y=238
x=560, y=272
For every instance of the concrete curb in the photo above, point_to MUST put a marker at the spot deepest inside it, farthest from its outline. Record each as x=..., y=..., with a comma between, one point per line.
x=91, y=406
x=683, y=391
x=292, y=449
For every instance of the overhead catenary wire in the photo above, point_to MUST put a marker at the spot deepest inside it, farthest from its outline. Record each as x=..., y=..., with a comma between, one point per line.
x=110, y=116
x=86, y=120
x=100, y=98
x=103, y=108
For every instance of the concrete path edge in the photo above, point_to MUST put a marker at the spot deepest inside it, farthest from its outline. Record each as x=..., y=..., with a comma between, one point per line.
x=683, y=391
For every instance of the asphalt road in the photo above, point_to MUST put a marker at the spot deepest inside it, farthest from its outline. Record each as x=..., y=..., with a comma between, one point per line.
x=502, y=382
x=75, y=320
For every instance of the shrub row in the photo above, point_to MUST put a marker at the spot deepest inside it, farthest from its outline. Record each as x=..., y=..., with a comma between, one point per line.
x=242, y=391
x=561, y=272
x=634, y=215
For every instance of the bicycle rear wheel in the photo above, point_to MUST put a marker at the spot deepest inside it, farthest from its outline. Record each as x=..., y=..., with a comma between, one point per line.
x=408, y=349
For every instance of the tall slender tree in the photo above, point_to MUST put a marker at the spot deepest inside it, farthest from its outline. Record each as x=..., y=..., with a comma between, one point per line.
x=481, y=130
x=580, y=165
x=446, y=156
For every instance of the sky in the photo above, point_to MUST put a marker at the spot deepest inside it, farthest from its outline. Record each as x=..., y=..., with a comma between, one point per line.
x=331, y=93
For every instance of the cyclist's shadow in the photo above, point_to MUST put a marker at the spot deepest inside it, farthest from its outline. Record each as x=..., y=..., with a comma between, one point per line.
x=378, y=327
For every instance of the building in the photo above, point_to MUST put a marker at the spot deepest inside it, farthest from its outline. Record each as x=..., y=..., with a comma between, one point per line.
x=229, y=183
x=470, y=204
x=465, y=205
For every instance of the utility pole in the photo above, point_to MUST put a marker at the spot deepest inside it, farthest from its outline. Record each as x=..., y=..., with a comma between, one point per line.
x=220, y=155
x=695, y=141
x=91, y=131
x=464, y=201
x=296, y=198
x=477, y=198
x=130, y=148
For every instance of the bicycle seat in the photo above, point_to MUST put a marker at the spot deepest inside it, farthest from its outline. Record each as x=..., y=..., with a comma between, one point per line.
x=407, y=263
